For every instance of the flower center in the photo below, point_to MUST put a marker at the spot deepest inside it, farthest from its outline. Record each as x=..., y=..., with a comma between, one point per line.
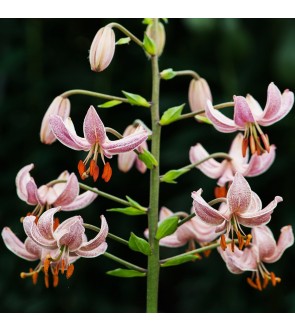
x=255, y=137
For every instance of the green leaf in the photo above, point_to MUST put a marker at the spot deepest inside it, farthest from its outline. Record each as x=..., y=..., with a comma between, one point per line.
x=167, y=74
x=179, y=260
x=126, y=273
x=109, y=104
x=136, y=99
x=146, y=157
x=135, y=204
x=203, y=119
x=123, y=41
x=147, y=21
x=173, y=174
x=171, y=115
x=167, y=227
x=165, y=20
x=131, y=211
x=138, y=244
x=149, y=45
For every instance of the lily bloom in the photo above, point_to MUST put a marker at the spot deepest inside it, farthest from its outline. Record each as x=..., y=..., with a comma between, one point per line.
x=194, y=230
x=95, y=141
x=249, y=116
x=66, y=194
x=263, y=249
x=198, y=94
x=66, y=240
x=128, y=159
x=225, y=171
x=242, y=207
x=31, y=251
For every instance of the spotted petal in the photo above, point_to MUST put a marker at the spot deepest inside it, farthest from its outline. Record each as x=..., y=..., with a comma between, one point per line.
x=80, y=202
x=242, y=112
x=93, y=127
x=69, y=193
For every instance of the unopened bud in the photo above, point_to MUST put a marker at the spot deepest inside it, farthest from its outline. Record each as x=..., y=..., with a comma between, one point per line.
x=159, y=36
x=198, y=94
x=102, y=49
x=167, y=74
x=60, y=106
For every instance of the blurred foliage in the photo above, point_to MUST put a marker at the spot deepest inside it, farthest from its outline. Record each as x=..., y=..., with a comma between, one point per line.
x=41, y=58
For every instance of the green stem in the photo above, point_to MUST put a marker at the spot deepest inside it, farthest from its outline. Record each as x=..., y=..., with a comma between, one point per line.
x=92, y=94
x=213, y=155
x=111, y=236
x=126, y=32
x=187, y=73
x=123, y=262
x=153, y=259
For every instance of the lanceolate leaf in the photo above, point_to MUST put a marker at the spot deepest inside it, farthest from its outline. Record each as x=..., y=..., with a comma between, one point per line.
x=135, y=204
x=126, y=273
x=110, y=103
x=171, y=115
x=136, y=99
x=138, y=244
x=149, y=45
x=167, y=227
x=123, y=41
x=179, y=260
x=170, y=176
x=131, y=211
x=147, y=158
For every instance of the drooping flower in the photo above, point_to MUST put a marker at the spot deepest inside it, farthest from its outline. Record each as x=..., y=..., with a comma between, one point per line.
x=128, y=159
x=249, y=116
x=60, y=106
x=102, y=49
x=64, y=194
x=225, y=171
x=31, y=251
x=95, y=141
x=242, y=207
x=159, y=36
x=64, y=241
x=198, y=94
x=263, y=249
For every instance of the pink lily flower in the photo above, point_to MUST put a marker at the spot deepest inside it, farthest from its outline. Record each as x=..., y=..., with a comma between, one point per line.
x=95, y=141
x=31, y=251
x=263, y=249
x=66, y=194
x=249, y=116
x=243, y=207
x=66, y=240
x=225, y=171
x=128, y=159
x=194, y=230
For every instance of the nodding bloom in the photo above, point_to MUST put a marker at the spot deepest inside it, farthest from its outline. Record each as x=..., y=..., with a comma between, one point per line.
x=249, y=116
x=263, y=249
x=60, y=106
x=95, y=141
x=65, y=194
x=102, y=49
x=128, y=159
x=225, y=171
x=159, y=36
x=65, y=241
x=31, y=251
x=194, y=230
x=198, y=94
x=242, y=207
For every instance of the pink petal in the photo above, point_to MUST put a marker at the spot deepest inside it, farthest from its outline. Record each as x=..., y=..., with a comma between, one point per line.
x=80, y=202
x=97, y=251
x=273, y=103
x=264, y=240
x=46, y=222
x=33, y=247
x=257, y=218
x=242, y=112
x=239, y=194
x=93, y=127
x=204, y=211
x=220, y=121
x=140, y=165
x=126, y=161
x=65, y=133
x=254, y=107
x=255, y=203
x=14, y=244
x=199, y=231
x=165, y=213
x=69, y=193
x=238, y=161
x=32, y=191
x=21, y=181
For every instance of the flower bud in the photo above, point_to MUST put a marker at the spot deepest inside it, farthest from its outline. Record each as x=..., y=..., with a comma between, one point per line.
x=159, y=38
x=60, y=106
x=198, y=94
x=102, y=49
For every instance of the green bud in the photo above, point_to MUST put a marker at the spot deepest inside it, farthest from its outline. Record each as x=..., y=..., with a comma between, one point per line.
x=130, y=211
x=171, y=115
x=167, y=74
x=136, y=99
x=173, y=174
x=148, y=159
x=123, y=41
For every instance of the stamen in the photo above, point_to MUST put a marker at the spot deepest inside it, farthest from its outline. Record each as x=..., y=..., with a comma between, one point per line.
x=273, y=279
x=220, y=192
x=207, y=253
x=81, y=169
x=252, y=144
x=265, y=282
x=241, y=240
x=251, y=283
x=70, y=271
x=258, y=283
x=55, y=223
x=46, y=280
x=232, y=245
x=34, y=276
x=62, y=266
x=46, y=264
x=248, y=240
x=222, y=242
x=55, y=276
x=107, y=172
x=94, y=170
x=245, y=146
x=265, y=142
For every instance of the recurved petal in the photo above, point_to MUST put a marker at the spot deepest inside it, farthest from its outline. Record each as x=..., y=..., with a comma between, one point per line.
x=46, y=222
x=66, y=134
x=126, y=161
x=93, y=127
x=211, y=167
x=97, y=251
x=273, y=103
x=235, y=153
x=239, y=194
x=69, y=193
x=14, y=244
x=257, y=218
x=242, y=112
x=80, y=202
x=32, y=190
x=255, y=107
x=204, y=211
x=220, y=121
x=200, y=231
x=164, y=213
x=21, y=181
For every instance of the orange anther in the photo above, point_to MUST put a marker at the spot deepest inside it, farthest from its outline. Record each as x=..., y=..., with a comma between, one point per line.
x=94, y=170
x=62, y=266
x=265, y=282
x=220, y=192
x=81, y=169
x=245, y=146
x=222, y=242
x=107, y=172
x=35, y=278
x=46, y=264
x=46, y=280
x=241, y=240
x=232, y=244
x=36, y=220
x=55, y=280
x=207, y=253
x=248, y=240
x=251, y=283
x=273, y=279
x=252, y=145
x=265, y=142
x=258, y=283
x=55, y=223
x=70, y=271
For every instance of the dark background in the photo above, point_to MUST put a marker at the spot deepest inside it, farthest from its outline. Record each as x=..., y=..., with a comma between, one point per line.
x=41, y=58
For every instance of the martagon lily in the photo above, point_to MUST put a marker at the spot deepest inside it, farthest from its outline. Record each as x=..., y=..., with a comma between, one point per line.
x=263, y=249
x=95, y=141
x=55, y=193
x=249, y=116
x=242, y=207
x=225, y=171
